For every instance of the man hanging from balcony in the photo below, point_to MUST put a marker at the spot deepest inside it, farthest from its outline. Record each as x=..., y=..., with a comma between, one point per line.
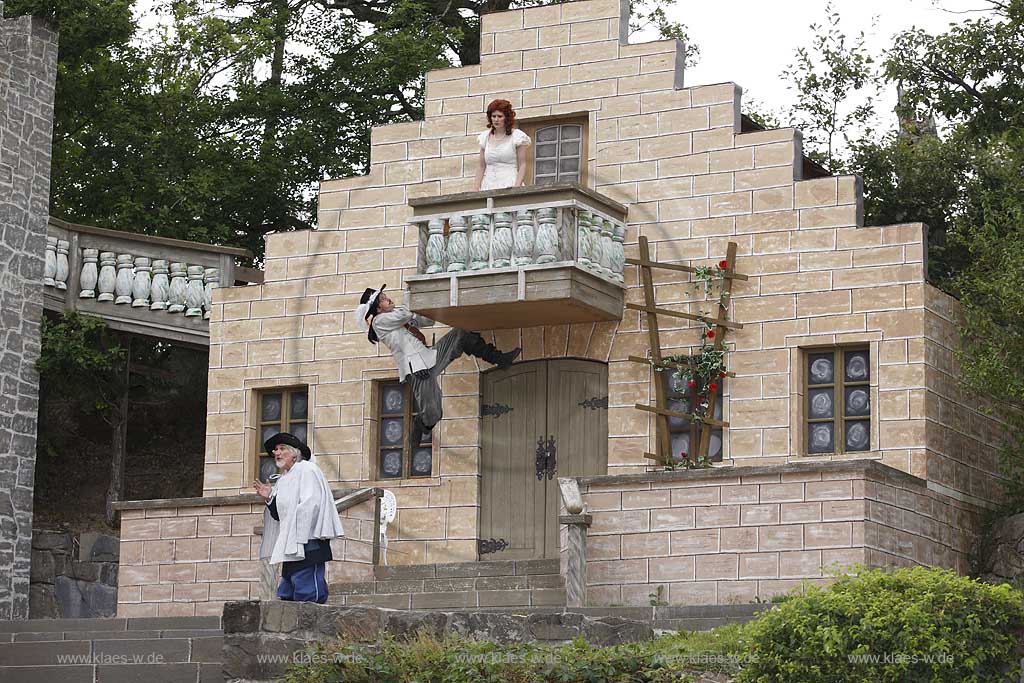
x=398, y=328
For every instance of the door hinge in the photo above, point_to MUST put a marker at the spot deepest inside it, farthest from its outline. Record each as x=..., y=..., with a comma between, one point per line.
x=486, y=546
x=494, y=409
x=546, y=462
x=595, y=402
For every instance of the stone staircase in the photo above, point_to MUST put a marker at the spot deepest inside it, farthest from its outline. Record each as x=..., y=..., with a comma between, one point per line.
x=464, y=585
x=514, y=586
x=143, y=650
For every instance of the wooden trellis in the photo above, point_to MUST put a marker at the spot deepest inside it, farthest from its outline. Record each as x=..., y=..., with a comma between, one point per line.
x=720, y=324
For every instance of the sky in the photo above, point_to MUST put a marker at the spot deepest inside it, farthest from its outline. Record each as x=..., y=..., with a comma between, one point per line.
x=750, y=42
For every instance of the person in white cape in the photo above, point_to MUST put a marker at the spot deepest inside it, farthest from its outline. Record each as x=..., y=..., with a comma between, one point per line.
x=299, y=522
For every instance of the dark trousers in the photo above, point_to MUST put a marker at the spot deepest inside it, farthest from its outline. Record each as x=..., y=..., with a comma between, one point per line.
x=303, y=584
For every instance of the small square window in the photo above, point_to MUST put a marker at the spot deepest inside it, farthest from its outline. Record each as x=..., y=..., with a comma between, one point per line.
x=280, y=410
x=837, y=411
x=397, y=456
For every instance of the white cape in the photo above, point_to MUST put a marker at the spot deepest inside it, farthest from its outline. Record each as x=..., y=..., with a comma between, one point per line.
x=306, y=509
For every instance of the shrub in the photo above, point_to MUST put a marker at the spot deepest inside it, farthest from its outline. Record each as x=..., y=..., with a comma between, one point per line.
x=902, y=625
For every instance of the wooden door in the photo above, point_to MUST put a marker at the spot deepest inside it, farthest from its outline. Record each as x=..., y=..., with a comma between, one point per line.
x=513, y=413
x=578, y=418
x=562, y=399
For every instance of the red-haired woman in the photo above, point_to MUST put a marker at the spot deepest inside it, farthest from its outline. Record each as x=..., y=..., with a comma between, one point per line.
x=502, y=149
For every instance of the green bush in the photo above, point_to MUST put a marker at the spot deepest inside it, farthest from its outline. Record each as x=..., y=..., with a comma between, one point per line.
x=903, y=625
x=426, y=660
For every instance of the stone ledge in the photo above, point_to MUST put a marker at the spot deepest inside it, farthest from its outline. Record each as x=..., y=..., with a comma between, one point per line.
x=866, y=466
x=288, y=628
x=214, y=501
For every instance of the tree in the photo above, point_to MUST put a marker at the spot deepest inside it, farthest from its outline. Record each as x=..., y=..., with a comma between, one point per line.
x=825, y=78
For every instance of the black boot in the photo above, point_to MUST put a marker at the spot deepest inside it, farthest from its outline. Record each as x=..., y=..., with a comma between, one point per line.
x=474, y=345
x=418, y=430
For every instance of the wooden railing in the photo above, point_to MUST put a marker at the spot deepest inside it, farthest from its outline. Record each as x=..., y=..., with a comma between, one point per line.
x=138, y=283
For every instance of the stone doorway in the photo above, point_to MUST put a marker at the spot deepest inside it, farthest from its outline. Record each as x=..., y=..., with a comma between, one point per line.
x=540, y=420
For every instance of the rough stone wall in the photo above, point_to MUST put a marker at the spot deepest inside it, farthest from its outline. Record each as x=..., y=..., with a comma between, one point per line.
x=28, y=64
x=74, y=576
x=693, y=181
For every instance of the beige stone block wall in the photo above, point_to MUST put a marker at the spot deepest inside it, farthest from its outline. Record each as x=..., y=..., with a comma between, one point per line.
x=749, y=534
x=693, y=182
x=185, y=558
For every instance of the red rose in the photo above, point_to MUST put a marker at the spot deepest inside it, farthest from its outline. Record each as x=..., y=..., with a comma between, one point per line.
x=683, y=455
x=712, y=387
x=723, y=264
x=722, y=374
x=711, y=334
x=691, y=384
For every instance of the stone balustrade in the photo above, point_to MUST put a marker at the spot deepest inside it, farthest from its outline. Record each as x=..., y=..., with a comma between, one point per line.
x=138, y=283
x=519, y=257
x=551, y=224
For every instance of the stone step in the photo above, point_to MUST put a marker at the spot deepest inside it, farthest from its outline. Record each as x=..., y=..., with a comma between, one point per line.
x=124, y=673
x=457, y=570
x=204, y=650
x=115, y=624
x=105, y=635
x=448, y=600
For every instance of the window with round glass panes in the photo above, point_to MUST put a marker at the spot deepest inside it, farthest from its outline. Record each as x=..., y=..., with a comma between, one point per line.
x=685, y=434
x=398, y=457
x=837, y=412
x=558, y=154
x=280, y=410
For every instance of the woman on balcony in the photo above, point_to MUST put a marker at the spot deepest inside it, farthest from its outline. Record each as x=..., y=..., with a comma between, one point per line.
x=502, y=149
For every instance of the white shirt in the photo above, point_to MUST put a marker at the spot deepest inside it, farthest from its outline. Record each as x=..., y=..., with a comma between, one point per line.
x=305, y=506
x=500, y=158
x=409, y=352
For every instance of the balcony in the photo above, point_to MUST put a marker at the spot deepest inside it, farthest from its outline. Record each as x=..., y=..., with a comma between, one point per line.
x=152, y=286
x=519, y=257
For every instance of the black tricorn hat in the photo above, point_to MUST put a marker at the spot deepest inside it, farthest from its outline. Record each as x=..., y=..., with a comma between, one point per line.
x=288, y=440
x=372, y=310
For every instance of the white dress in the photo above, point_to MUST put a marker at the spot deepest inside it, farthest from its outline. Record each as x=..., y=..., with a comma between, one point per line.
x=500, y=157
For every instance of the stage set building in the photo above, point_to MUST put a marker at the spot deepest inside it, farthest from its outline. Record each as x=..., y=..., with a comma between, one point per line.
x=848, y=439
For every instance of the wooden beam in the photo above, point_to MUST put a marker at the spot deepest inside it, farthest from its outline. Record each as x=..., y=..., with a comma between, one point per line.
x=720, y=322
x=723, y=310
x=662, y=436
x=729, y=275
x=675, y=413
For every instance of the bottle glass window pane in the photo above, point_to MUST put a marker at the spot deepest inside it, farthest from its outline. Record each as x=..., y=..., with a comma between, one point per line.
x=681, y=406
x=548, y=151
x=298, y=430
x=821, y=403
x=820, y=437
x=549, y=134
x=270, y=411
x=546, y=166
x=421, y=462
x=545, y=179
x=571, y=132
x=858, y=402
x=391, y=431
x=268, y=431
x=393, y=400
x=267, y=468
x=715, y=446
x=570, y=149
x=858, y=435
x=570, y=165
x=857, y=369
x=680, y=444
x=391, y=464
x=820, y=368
x=299, y=405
